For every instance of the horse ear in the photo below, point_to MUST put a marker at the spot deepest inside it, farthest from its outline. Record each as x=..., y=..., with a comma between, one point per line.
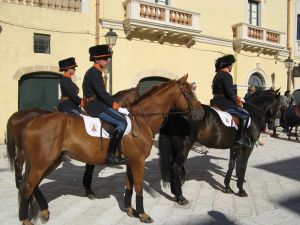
x=183, y=79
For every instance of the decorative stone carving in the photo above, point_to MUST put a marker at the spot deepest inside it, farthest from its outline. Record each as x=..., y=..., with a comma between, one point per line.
x=65, y=5
x=58, y=4
x=77, y=5
x=71, y=5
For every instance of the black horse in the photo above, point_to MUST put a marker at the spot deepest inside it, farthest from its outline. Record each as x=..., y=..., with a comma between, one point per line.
x=292, y=119
x=179, y=134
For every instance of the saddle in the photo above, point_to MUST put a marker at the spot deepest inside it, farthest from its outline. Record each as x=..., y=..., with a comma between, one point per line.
x=228, y=119
x=98, y=128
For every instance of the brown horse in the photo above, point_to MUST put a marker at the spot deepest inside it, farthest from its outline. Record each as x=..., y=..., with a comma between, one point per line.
x=66, y=135
x=15, y=127
x=17, y=122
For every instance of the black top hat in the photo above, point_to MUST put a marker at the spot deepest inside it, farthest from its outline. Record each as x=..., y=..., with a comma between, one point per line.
x=99, y=52
x=67, y=64
x=224, y=61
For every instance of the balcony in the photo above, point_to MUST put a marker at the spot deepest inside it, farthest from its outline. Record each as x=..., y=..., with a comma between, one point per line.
x=65, y=5
x=257, y=39
x=160, y=23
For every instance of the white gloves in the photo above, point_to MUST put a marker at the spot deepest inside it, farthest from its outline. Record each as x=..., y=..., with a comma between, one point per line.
x=123, y=111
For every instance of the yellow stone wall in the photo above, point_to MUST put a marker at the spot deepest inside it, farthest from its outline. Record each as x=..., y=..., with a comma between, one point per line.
x=72, y=33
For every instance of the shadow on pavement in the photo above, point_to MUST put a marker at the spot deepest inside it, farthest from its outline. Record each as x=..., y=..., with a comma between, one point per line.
x=292, y=203
x=201, y=168
x=67, y=180
x=284, y=168
x=216, y=218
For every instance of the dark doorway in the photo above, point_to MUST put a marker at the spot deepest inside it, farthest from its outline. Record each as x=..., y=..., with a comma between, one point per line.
x=39, y=90
x=147, y=83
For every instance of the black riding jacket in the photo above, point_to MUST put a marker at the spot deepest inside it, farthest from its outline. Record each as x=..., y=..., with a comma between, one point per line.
x=69, y=95
x=93, y=85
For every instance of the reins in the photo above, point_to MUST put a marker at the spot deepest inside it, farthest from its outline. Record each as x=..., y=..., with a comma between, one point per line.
x=164, y=114
x=256, y=107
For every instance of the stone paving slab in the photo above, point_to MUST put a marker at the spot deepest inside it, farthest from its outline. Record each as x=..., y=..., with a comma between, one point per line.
x=272, y=182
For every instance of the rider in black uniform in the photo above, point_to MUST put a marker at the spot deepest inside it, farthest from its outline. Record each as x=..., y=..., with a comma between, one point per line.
x=100, y=104
x=69, y=102
x=226, y=99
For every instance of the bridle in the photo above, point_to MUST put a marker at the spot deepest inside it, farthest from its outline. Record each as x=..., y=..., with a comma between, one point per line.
x=191, y=110
x=262, y=111
x=165, y=114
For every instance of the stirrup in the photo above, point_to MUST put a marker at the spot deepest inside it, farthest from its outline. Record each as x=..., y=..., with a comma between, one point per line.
x=113, y=160
x=242, y=143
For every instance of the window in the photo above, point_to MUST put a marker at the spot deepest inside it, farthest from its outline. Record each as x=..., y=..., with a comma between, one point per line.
x=298, y=27
x=257, y=80
x=41, y=43
x=253, y=13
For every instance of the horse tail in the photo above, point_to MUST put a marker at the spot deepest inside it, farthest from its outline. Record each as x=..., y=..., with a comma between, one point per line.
x=166, y=157
x=10, y=144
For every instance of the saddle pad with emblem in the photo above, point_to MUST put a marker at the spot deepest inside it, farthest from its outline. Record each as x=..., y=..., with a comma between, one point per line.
x=93, y=126
x=227, y=119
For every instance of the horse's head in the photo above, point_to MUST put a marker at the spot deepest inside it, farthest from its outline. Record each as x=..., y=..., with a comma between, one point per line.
x=187, y=100
x=269, y=102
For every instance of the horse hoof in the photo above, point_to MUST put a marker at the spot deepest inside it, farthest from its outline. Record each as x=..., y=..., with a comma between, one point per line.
x=26, y=222
x=144, y=218
x=228, y=190
x=242, y=193
x=44, y=216
x=181, y=200
x=132, y=212
x=90, y=194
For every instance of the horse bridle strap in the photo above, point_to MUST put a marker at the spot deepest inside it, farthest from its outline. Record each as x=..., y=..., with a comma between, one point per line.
x=257, y=108
x=190, y=110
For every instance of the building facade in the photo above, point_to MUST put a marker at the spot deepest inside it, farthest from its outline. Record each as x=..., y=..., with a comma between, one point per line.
x=167, y=38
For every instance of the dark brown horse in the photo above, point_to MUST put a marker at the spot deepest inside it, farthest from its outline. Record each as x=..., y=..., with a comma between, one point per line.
x=179, y=134
x=66, y=136
x=292, y=119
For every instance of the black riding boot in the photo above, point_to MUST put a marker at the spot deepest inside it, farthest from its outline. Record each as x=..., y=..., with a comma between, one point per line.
x=114, y=144
x=241, y=141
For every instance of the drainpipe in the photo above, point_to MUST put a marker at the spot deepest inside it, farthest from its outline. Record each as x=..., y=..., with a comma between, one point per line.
x=97, y=36
x=97, y=22
x=288, y=43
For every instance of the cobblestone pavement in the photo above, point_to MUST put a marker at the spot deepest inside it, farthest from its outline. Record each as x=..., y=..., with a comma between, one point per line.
x=272, y=182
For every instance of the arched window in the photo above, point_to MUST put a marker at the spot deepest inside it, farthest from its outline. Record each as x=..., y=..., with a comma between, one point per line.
x=257, y=80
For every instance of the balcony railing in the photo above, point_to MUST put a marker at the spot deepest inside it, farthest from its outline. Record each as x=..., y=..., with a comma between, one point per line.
x=65, y=5
x=257, y=39
x=161, y=21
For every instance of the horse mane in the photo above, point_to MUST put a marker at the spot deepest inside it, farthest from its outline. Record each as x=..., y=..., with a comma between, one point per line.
x=123, y=92
x=264, y=93
x=152, y=90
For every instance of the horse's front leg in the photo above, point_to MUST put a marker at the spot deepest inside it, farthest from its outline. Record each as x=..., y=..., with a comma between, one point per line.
x=231, y=166
x=87, y=180
x=242, y=161
x=138, y=179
